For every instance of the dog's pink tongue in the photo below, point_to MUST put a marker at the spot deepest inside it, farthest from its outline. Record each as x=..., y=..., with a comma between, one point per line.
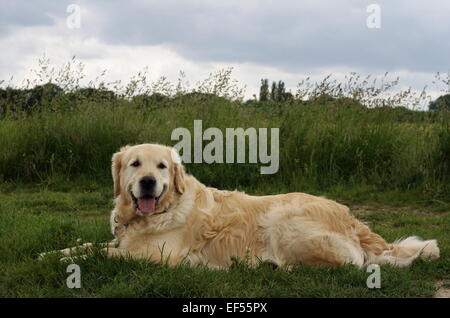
x=146, y=205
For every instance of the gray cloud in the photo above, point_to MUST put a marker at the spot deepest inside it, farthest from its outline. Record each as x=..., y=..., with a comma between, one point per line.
x=28, y=13
x=290, y=35
x=293, y=36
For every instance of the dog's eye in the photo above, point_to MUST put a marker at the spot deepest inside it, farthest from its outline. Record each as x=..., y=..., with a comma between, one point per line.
x=135, y=163
x=162, y=166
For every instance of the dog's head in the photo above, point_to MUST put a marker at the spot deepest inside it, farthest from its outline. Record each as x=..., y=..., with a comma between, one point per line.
x=147, y=176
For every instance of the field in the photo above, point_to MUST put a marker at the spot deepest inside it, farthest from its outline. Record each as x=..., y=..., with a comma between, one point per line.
x=390, y=165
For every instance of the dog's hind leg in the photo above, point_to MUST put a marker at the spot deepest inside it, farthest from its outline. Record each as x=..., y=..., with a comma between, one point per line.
x=402, y=253
x=322, y=249
x=295, y=237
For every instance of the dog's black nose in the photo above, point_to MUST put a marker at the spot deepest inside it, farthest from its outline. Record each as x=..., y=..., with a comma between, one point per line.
x=147, y=182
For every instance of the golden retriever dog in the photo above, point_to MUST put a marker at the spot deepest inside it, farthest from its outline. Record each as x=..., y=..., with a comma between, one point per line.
x=163, y=214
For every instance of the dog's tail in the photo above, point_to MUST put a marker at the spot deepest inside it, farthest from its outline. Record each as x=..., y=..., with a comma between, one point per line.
x=402, y=252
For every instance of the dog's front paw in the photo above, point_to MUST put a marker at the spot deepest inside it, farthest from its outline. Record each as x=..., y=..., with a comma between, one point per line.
x=120, y=230
x=73, y=259
x=41, y=256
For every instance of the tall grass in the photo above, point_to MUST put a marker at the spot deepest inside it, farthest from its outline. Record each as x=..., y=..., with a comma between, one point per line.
x=319, y=146
x=326, y=140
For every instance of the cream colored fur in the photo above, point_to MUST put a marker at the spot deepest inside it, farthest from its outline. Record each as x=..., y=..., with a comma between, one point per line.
x=203, y=225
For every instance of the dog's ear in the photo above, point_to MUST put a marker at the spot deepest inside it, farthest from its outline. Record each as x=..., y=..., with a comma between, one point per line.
x=115, y=169
x=179, y=181
x=179, y=174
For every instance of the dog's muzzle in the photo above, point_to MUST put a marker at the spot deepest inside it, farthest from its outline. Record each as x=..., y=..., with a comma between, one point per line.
x=146, y=203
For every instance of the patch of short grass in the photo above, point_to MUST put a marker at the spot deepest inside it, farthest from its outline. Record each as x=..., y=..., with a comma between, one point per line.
x=41, y=218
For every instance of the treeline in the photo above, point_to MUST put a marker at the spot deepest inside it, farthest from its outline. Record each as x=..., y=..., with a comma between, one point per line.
x=52, y=97
x=48, y=96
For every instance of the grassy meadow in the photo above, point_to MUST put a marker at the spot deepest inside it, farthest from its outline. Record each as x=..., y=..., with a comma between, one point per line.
x=391, y=165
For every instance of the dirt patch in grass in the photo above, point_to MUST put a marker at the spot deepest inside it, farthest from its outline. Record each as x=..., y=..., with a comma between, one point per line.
x=443, y=289
x=363, y=209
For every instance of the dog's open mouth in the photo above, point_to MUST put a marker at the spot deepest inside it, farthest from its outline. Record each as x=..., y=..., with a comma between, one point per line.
x=146, y=204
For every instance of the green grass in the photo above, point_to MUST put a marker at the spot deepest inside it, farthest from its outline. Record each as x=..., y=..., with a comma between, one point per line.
x=321, y=146
x=392, y=165
x=38, y=218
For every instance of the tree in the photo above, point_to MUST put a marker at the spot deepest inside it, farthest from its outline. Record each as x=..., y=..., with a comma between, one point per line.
x=281, y=92
x=442, y=102
x=288, y=96
x=97, y=94
x=274, y=92
x=264, y=90
x=41, y=95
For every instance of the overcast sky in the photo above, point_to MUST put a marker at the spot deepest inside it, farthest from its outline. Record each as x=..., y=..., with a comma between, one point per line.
x=279, y=40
